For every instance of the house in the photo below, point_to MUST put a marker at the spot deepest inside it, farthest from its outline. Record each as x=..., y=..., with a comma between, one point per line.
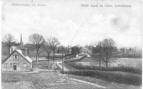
x=85, y=51
x=16, y=61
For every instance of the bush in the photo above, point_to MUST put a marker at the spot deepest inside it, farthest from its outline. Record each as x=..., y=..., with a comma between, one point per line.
x=121, y=68
x=119, y=77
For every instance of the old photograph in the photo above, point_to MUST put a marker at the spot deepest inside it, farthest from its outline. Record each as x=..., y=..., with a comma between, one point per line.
x=71, y=44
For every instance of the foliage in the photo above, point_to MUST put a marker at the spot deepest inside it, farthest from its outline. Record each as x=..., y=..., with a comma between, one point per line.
x=9, y=41
x=37, y=40
x=75, y=50
x=104, y=51
x=51, y=44
x=130, y=52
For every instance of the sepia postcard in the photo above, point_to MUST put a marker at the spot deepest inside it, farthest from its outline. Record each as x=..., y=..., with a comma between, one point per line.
x=71, y=44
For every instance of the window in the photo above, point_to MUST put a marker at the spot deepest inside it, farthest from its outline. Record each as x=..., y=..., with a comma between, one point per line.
x=16, y=56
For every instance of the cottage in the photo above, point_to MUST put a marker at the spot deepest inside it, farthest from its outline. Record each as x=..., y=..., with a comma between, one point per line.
x=17, y=61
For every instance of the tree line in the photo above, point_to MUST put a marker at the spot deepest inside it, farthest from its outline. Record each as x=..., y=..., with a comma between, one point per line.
x=50, y=45
x=103, y=51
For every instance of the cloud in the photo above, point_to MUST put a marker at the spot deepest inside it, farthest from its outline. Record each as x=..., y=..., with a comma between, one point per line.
x=121, y=22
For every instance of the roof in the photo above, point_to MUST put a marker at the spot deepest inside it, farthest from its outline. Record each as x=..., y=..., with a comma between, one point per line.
x=28, y=58
x=19, y=52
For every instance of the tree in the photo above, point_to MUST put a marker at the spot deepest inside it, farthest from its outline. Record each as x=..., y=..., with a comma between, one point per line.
x=97, y=53
x=9, y=41
x=67, y=50
x=107, y=47
x=37, y=40
x=75, y=50
x=62, y=50
x=52, y=45
x=47, y=49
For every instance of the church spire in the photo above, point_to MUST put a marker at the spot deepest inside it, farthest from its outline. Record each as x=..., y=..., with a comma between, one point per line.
x=21, y=41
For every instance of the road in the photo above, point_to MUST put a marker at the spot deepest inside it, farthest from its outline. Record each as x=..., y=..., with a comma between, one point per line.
x=59, y=64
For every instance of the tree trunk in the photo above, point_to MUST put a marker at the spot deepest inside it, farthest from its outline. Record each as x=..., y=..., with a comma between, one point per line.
x=106, y=62
x=53, y=57
x=48, y=59
x=99, y=63
x=48, y=54
x=62, y=63
x=37, y=57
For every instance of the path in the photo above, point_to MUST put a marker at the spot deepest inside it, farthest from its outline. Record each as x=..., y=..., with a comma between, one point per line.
x=59, y=64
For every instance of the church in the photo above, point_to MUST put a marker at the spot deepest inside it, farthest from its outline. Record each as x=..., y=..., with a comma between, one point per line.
x=18, y=60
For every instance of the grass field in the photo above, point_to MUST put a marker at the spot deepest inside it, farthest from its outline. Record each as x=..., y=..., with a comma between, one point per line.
x=122, y=71
x=107, y=84
x=129, y=62
x=53, y=80
x=44, y=80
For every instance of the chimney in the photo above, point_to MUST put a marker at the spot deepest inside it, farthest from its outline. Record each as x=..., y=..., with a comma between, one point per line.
x=12, y=49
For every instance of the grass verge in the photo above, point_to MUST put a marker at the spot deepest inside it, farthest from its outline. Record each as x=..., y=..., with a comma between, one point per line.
x=119, y=77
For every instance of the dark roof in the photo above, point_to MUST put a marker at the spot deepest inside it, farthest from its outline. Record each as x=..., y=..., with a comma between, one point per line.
x=12, y=54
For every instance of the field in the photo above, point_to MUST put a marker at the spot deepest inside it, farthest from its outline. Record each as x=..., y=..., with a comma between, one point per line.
x=43, y=80
x=122, y=71
x=107, y=84
x=56, y=80
x=53, y=80
x=128, y=62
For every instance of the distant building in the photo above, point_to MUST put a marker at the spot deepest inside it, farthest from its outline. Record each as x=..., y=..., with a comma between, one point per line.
x=24, y=50
x=16, y=61
x=86, y=51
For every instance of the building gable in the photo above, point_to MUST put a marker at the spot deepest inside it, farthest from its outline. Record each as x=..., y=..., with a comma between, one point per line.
x=14, y=53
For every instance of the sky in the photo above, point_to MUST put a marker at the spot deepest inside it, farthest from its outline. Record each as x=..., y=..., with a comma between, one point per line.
x=73, y=24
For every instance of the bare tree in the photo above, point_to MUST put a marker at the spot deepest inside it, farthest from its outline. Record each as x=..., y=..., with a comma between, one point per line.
x=47, y=49
x=37, y=40
x=62, y=50
x=9, y=41
x=67, y=50
x=52, y=44
x=108, y=47
x=97, y=53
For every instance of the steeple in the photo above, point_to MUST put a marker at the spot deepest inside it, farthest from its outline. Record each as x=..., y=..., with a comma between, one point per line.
x=21, y=41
